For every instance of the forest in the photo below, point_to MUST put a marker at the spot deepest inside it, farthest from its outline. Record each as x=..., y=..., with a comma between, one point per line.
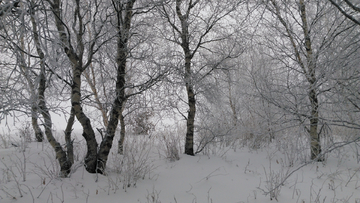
x=124, y=91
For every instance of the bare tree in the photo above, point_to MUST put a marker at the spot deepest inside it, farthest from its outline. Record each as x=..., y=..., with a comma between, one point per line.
x=15, y=35
x=124, y=14
x=298, y=44
x=192, y=26
x=347, y=82
x=80, y=52
x=32, y=66
x=131, y=57
x=81, y=44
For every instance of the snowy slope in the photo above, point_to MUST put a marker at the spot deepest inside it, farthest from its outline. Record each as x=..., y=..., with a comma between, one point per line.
x=226, y=174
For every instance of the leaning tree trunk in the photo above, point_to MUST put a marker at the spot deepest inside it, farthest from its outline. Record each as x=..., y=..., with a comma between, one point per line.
x=91, y=156
x=39, y=136
x=65, y=165
x=115, y=113
x=106, y=144
x=90, y=160
x=68, y=141
x=123, y=28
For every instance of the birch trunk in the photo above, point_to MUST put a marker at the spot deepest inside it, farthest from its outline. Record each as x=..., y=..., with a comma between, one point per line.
x=90, y=160
x=122, y=134
x=68, y=141
x=39, y=136
x=308, y=67
x=189, y=142
x=124, y=18
x=78, y=67
x=106, y=143
x=185, y=44
x=315, y=146
x=25, y=71
x=65, y=165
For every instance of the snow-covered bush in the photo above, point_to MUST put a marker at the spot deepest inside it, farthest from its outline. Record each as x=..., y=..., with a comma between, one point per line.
x=172, y=150
x=135, y=163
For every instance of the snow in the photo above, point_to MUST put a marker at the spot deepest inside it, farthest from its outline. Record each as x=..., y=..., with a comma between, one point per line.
x=226, y=174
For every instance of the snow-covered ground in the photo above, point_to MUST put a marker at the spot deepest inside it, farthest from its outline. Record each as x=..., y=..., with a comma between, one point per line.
x=225, y=174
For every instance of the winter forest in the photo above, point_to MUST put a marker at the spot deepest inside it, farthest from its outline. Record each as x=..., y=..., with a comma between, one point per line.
x=183, y=101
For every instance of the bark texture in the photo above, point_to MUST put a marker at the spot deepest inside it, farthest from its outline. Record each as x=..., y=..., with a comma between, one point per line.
x=26, y=72
x=68, y=141
x=65, y=165
x=90, y=160
x=122, y=135
x=39, y=136
x=34, y=109
x=185, y=45
x=308, y=67
x=124, y=18
x=315, y=146
x=76, y=59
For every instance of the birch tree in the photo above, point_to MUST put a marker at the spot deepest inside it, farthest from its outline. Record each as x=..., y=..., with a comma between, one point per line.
x=124, y=14
x=80, y=51
x=15, y=35
x=302, y=33
x=192, y=25
x=26, y=46
x=81, y=44
x=345, y=56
